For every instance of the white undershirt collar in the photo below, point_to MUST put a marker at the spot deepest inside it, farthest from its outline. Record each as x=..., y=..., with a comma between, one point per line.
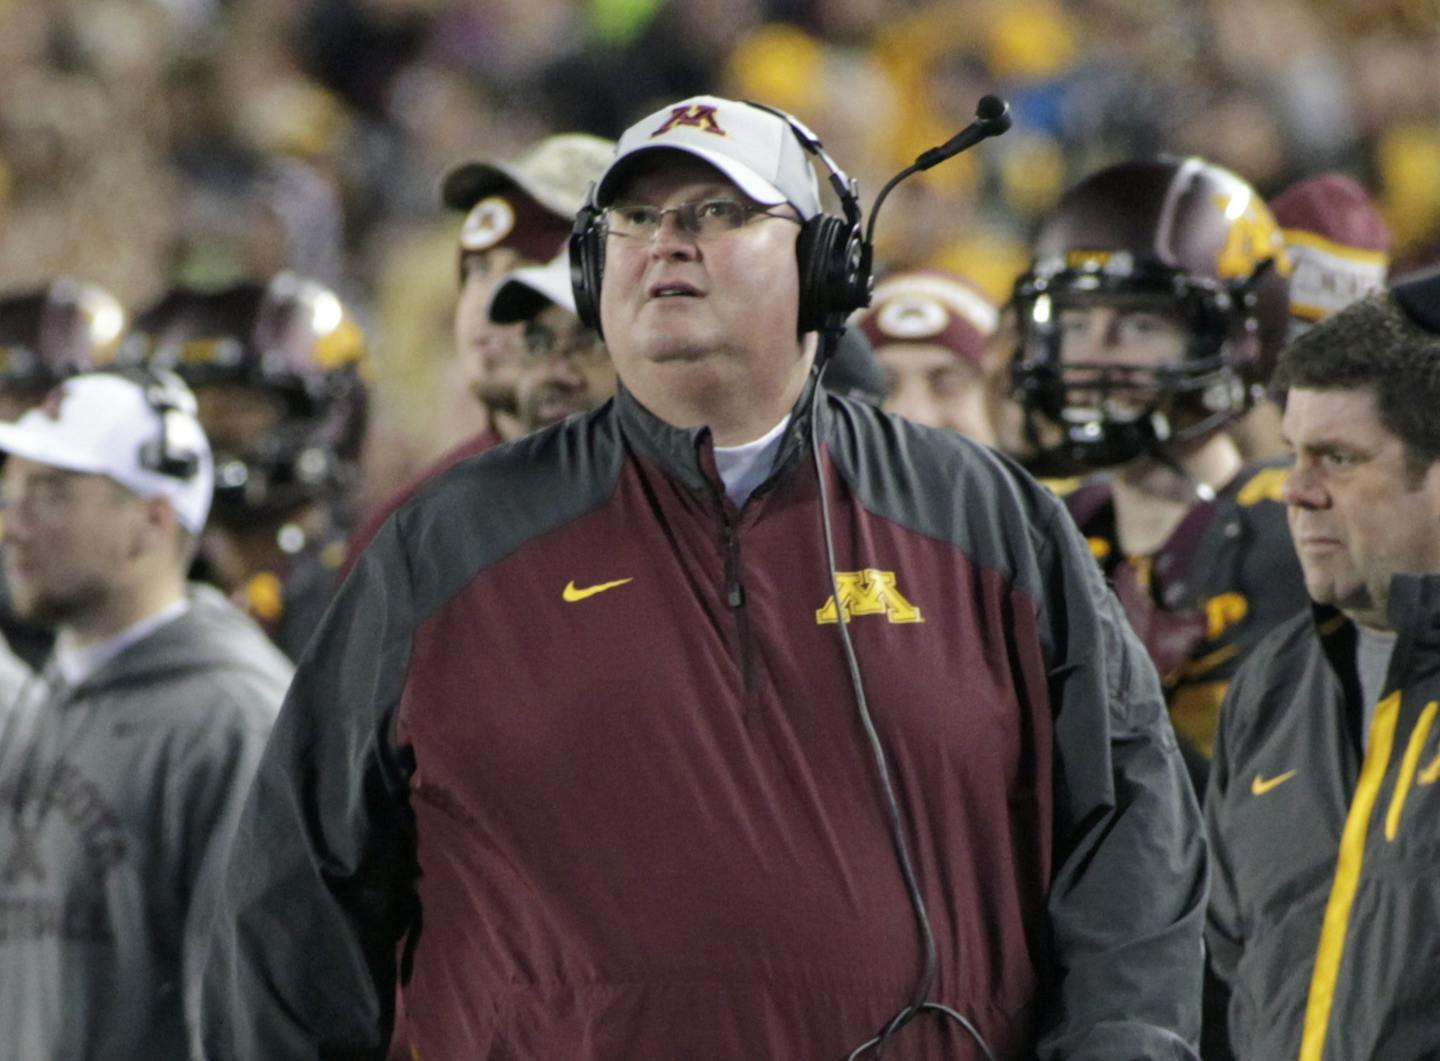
x=743, y=468
x=77, y=664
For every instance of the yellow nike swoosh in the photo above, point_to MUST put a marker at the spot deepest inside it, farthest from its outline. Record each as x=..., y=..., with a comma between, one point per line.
x=1431, y=773
x=1262, y=785
x=573, y=593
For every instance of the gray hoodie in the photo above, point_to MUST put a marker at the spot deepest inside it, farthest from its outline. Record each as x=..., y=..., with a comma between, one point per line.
x=117, y=799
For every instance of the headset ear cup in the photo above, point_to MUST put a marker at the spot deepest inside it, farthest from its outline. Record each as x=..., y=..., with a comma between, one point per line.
x=834, y=274
x=587, y=266
x=813, y=251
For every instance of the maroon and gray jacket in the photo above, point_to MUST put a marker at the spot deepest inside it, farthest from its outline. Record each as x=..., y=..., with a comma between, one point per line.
x=574, y=761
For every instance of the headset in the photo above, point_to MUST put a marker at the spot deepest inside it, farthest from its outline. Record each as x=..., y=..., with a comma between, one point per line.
x=166, y=395
x=833, y=253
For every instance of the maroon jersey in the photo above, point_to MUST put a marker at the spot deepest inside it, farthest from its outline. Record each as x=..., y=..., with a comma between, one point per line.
x=1226, y=577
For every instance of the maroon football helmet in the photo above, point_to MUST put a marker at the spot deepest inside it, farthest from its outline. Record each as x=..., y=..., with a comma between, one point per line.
x=1187, y=238
x=289, y=337
x=55, y=331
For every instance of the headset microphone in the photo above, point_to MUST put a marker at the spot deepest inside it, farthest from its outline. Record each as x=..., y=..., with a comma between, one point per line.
x=992, y=117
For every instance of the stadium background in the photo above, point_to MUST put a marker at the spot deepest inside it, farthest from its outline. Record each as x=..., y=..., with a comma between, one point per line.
x=143, y=142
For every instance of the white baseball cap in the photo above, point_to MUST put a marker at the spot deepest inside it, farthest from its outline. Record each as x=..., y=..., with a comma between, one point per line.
x=754, y=147
x=522, y=293
x=103, y=423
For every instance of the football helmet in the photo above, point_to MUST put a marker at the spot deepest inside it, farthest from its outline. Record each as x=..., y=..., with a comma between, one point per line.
x=289, y=338
x=55, y=331
x=1180, y=238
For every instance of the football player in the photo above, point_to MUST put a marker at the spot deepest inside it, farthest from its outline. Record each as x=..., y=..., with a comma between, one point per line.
x=1155, y=304
x=278, y=369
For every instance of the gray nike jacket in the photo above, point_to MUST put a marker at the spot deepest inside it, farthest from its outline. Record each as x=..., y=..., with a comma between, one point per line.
x=117, y=799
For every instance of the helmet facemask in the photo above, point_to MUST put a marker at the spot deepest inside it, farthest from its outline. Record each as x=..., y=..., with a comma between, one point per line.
x=1089, y=412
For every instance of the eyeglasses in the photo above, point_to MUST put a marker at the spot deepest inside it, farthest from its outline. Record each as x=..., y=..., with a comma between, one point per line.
x=578, y=343
x=703, y=218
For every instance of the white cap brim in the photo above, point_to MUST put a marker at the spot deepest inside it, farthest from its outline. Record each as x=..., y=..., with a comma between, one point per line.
x=746, y=179
x=525, y=292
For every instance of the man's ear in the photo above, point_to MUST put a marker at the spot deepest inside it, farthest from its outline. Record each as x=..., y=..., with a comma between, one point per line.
x=160, y=527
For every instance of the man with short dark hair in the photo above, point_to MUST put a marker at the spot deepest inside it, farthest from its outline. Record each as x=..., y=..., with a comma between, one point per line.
x=729, y=720
x=123, y=764
x=1323, y=799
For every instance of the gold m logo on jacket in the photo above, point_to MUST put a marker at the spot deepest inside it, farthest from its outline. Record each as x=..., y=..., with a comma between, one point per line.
x=869, y=592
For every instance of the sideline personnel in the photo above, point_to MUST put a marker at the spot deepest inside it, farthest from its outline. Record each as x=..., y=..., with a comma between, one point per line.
x=1323, y=798
x=123, y=765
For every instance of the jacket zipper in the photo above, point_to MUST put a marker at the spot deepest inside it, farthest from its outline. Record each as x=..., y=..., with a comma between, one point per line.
x=735, y=598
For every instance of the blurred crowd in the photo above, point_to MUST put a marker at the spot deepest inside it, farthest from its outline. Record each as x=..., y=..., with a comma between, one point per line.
x=145, y=143
x=328, y=243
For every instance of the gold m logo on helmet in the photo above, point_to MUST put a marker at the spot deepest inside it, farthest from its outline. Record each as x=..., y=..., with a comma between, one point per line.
x=1253, y=237
x=699, y=115
x=1087, y=259
x=869, y=592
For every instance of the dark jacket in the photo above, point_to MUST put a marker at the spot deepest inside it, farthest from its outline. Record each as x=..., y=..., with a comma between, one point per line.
x=584, y=737
x=1325, y=896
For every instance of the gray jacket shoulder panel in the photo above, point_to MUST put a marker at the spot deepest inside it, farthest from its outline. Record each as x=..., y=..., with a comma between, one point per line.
x=489, y=505
x=945, y=486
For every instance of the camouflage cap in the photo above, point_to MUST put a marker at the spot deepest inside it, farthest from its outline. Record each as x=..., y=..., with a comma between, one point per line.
x=556, y=172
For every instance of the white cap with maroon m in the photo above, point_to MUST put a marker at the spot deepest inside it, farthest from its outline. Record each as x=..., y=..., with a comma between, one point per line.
x=754, y=147
x=103, y=423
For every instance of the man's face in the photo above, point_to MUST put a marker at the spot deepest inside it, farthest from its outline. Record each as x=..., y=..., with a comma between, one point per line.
x=69, y=538
x=565, y=369
x=491, y=352
x=1357, y=512
x=236, y=416
x=687, y=315
x=1138, y=333
x=931, y=385
x=1118, y=335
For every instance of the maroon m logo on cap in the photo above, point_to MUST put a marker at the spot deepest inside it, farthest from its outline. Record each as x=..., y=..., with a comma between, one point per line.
x=697, y=115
